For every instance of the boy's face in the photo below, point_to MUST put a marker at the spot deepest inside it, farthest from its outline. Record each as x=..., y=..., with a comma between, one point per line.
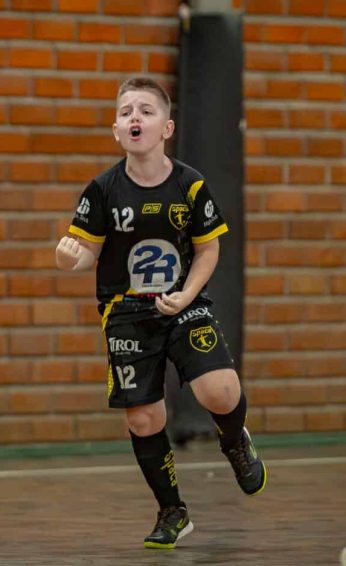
x=142, y=122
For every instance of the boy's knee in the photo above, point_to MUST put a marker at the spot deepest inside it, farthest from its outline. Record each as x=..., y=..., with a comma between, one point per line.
x=147, y=419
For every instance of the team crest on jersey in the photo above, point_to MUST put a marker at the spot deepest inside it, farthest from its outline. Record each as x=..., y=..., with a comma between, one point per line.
x=203, y=339
x=179, y=215
x=151, y=208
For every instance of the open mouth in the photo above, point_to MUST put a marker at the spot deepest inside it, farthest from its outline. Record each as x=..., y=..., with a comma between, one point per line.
x=135, y=132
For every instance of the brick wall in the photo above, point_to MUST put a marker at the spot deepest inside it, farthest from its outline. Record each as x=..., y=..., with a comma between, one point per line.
x=61, y=62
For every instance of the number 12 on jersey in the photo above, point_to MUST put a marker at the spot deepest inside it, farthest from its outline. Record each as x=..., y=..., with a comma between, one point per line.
x=126, y=376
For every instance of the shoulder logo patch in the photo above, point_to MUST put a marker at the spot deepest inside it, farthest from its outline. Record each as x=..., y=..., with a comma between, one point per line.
x=179, y=215
x=203, y=339
x=151, y=208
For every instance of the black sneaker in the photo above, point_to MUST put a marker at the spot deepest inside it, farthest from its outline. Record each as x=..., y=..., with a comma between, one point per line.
x=249, y=470
x=172, y=524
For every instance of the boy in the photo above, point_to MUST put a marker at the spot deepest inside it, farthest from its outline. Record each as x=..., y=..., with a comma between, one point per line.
x=153, y=226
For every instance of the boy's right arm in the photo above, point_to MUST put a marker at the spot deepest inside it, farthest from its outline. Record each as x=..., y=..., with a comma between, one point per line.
x=76, y=255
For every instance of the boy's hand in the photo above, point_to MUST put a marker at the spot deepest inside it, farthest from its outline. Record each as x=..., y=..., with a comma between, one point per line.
x=174, y=303
x=67, y=253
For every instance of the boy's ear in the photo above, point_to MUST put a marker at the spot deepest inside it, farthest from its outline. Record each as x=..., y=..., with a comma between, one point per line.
x=169, y=129
x=115, y=131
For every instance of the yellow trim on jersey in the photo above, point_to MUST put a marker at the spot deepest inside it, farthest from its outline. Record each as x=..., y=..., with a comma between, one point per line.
x=116, y=299
x=83, y=234
x=193, y=190
x=110, y=383
x=214, y=234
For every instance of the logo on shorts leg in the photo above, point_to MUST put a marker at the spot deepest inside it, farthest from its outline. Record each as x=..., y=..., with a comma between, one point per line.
x=203, y=339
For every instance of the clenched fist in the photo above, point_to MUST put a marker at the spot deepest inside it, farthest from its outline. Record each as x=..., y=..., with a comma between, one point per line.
x=68, y=253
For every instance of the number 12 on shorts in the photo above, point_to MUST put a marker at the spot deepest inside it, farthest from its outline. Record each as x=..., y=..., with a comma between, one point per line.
x=126, y=376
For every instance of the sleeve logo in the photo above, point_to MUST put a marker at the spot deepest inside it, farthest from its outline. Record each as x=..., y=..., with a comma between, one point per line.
x=84, y=206
x=151, y=208
x=203, y=339
x=209, y=209
x=179, y=215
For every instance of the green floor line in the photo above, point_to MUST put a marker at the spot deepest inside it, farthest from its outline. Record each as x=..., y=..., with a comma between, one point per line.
x=49, y=450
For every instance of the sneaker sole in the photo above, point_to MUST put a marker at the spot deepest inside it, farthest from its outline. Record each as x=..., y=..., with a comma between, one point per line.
x=169, y=546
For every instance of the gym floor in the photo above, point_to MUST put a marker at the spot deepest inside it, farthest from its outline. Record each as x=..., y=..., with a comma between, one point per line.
x=96, y=510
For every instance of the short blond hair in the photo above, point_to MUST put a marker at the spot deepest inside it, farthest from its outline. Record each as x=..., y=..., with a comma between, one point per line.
x=145, y=83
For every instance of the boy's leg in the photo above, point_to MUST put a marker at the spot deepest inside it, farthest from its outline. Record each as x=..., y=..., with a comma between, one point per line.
x=219, y=392
x=156, y=460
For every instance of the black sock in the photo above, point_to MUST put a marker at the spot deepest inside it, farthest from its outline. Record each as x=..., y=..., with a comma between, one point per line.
x=231, y=425
x=156, y=460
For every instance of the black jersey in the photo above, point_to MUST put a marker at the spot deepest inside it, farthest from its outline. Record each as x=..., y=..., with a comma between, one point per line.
x=147, y=232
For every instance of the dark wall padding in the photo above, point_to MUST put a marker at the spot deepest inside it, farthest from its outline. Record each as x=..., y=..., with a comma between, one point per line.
x=209, y=138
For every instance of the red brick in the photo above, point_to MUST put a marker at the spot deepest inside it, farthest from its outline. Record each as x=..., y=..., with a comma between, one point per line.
x=16, y=200
x=29, y=171
x=15, y=430
x=329, y=311
x=285, y=201
x=31, y=114
x=338, y=119
x=3, y=57
x=73, y=143
x=12, y=314
x=307, y=229
x=338, y=229
x=15, y=371
x=338, y=284
x=51, y=428
x=306, y=7
x=284, y=420
x=254, y=145
x=283, y=313
x=142, y=8
x=261, y=60
x=30, y=344
x=263, y=395
x=336, y=8
x=264, y=285
x=253, y=201
x=284, y=89
x=31, y=58
x=43, y=258
x=88, y=314
x=307, y=174
x=31, y=5
x=162, y=63
x=263, y=174
x=252, y=32
x=56, y=29
x=324, y=202
x=151, y=34
x=324, y=419
x=14, y=28
x=28, y=285
x=283, y=146
x=329, y=366
x=325, y=35
x=267, y=7
x=255, y=87
x=14, y=85
x=252, y=313
x=325, y=91
x=77, y=399
x=307, y=284
x=338, y=62
x=53, y=371
x=53, y=87
x=304, y=61
x=29, y=229
x=284, y=33
x=98, y=88
x=318, y=339
x=93, y=371
x=78, y=342
x=53, y=313
x=264, y=118
x=3, y=229
x=78, y=60
x=327, y=147
x=77, y=171
x=266, y=340
x=79, y=6
x=339, y=174
x=124, y=61
x=76, y=285
x=15, y=258
x=14, y=142
x=284, y=367
x=100, y=427
x=53, y=199
x=29, y=401
x=312, y=255
x=76, y=116
x=253, y=254
x=307, y=118
x=264, y=229
x=100, y=33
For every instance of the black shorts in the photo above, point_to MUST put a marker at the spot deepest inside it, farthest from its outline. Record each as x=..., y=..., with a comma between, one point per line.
x=140, y=339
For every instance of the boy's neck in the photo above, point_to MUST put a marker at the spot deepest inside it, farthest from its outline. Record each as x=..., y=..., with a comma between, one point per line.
x=148, y=171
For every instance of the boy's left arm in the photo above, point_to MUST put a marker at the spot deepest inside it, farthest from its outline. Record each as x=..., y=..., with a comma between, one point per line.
x=202, y=267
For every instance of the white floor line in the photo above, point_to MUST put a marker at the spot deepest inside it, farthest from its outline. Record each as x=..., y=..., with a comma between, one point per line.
x=48, y=472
